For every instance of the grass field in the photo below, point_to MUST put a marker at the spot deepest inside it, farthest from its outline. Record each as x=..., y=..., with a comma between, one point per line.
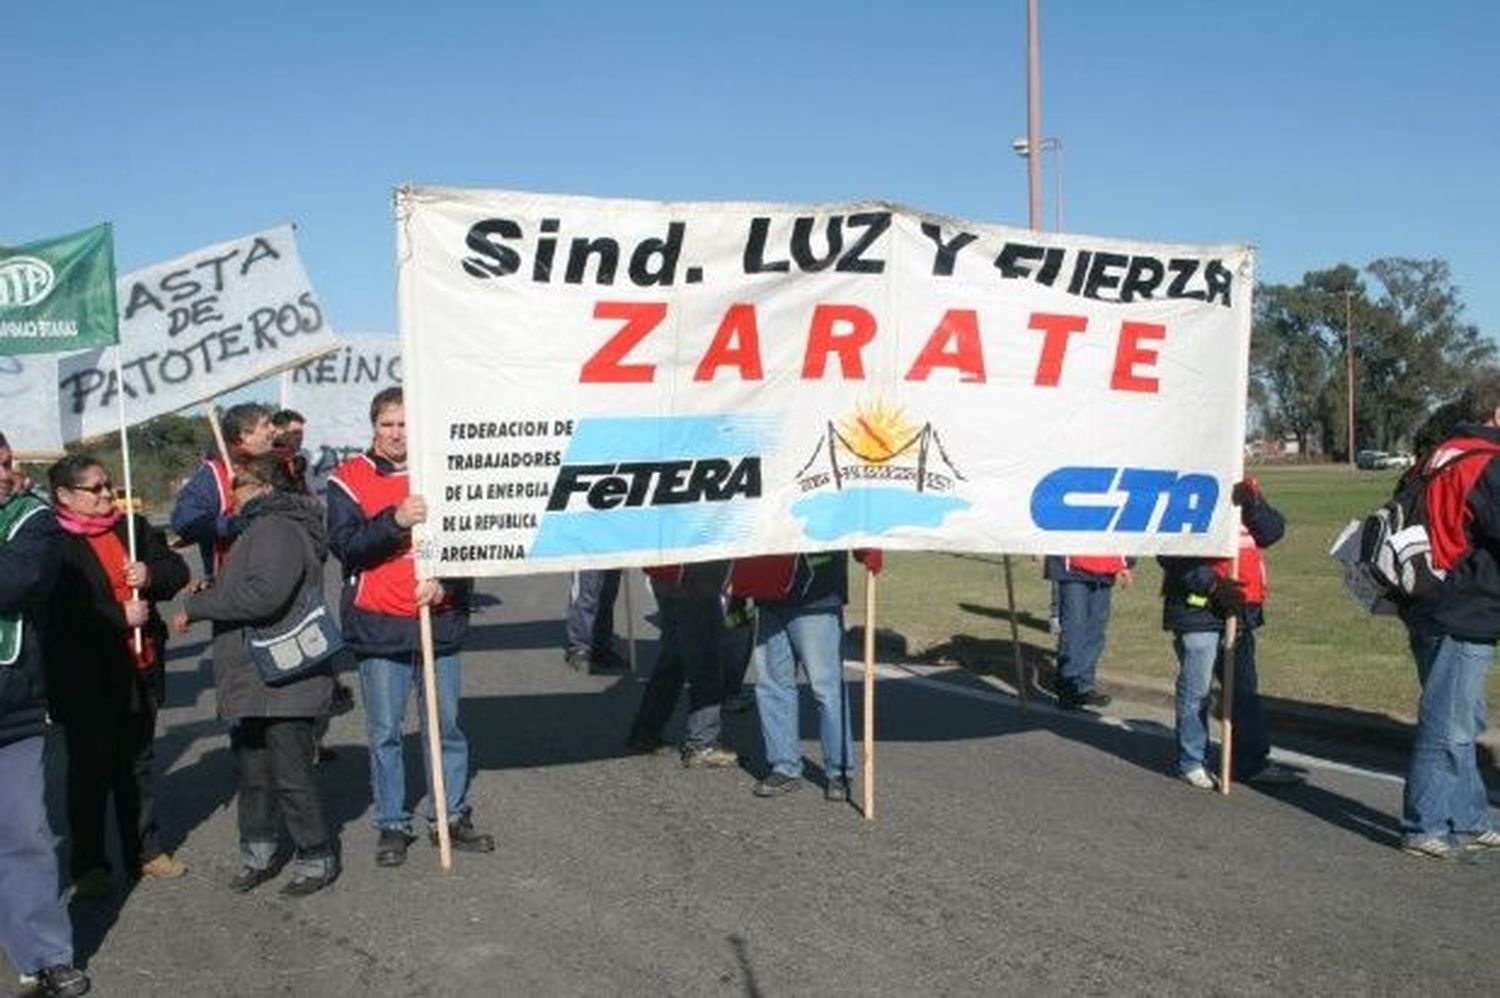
x=1316, y=647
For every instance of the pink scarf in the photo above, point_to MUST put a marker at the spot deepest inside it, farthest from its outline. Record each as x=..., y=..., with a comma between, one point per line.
x=84, y=525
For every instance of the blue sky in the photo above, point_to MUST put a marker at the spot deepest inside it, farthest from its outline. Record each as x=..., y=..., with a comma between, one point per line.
x=1322, y=132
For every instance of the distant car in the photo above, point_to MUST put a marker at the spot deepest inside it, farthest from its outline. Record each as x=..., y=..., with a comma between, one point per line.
x=1379, y=460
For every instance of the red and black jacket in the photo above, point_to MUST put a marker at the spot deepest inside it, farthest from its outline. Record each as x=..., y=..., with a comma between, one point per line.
x=379, y=607
x=1186, y=582
x=1463, y=521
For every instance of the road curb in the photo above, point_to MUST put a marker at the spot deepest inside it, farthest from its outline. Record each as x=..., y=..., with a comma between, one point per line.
x=1344, y=724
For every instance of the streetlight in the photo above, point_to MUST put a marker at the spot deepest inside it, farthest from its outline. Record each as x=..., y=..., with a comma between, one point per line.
x=1053, y=145
x=1349, y=364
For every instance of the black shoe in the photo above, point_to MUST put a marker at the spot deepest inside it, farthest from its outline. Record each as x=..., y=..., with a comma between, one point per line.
x=837, y=790
x=251, y=877
x=463, y=837
x=61, y=980
x=778, y=784
x=301, y=887
x=390, y=849
x=1078, y=701
x=644, y=744
x=608, y=660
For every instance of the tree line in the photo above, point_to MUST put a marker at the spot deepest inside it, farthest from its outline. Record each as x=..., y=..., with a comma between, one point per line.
x=1413, y=354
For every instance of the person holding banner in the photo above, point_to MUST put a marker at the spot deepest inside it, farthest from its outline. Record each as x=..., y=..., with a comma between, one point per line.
x=692, y=637
x=1198, y=596
x=1083, y=586
x=34, y=927
x=203, y=513
x=370, y=515
x=105, y=685
x=799, y=603
x=281, y=560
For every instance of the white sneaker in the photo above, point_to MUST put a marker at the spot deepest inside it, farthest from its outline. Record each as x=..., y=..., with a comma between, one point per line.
x=1198, y=778
x=1484, y=840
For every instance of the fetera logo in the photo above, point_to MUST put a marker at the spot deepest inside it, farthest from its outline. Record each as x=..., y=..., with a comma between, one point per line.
x=25, y=280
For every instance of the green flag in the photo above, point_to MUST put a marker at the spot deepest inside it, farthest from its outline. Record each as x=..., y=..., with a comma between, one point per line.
x=58, y=295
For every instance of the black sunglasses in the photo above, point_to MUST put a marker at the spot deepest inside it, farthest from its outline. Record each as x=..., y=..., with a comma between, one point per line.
x=102, y=488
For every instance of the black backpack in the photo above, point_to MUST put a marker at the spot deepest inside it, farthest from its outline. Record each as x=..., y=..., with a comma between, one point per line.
x=1391, y=551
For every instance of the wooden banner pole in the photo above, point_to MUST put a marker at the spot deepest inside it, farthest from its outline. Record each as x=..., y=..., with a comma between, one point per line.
x=136, y=635
x=868, y=744
x=434, y=742
x=625, y=583
x=1018, y=662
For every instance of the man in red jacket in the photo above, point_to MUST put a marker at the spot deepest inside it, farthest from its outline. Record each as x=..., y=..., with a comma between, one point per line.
x=371, y=511
x=1453, y=633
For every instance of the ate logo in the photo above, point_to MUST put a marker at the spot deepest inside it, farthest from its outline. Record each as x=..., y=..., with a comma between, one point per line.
x=25, y=281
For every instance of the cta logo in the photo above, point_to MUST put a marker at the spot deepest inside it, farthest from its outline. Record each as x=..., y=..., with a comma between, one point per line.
x=24, y=281
x=1124, y=500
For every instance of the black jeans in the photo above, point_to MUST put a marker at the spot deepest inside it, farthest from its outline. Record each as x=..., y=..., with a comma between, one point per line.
x=278, y=784
x=112, y=753
x=692, y=633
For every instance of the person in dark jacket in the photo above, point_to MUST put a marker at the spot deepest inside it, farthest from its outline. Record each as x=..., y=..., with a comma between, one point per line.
x=1198, y=596
x=1452, y=633
x=371, y=511
x=689, y=599
x=106, y=656
x=34, y=926
x=1084, y=587
x=278, y=558
x=204, y=511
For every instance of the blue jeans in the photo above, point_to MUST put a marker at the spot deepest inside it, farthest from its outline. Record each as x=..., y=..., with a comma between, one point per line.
x=1444, y=793
x=813, y=638
x=591, y=610
x=1199, y=660
x=34, y=926
x=1083, y=613
x=386, y=685
x=692, y=630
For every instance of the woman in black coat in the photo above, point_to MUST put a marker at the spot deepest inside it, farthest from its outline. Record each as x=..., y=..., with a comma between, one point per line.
x=277, y=558
x=102, y=687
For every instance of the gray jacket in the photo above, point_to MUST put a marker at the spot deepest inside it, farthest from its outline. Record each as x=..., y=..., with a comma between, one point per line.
x=269, y=565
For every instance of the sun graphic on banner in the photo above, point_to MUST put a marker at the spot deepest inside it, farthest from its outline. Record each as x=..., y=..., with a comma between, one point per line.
x=877, y=432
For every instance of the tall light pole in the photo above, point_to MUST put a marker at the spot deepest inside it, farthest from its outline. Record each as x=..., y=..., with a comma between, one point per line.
x=1034, y=112
x=1053, y=145
x=1349, y=365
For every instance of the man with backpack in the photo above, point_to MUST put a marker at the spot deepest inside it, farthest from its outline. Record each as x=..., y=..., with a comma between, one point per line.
x=1453, y=629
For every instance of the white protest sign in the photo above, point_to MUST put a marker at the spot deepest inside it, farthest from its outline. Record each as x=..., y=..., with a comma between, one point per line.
x=333, y=393
x=28, y=401
x=196, y=327
x=599, y=382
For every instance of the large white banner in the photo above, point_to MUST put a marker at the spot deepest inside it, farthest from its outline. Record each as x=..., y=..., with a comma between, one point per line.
x=196, y=327
x=600, y=382
x=28, y=403
x=334, y=393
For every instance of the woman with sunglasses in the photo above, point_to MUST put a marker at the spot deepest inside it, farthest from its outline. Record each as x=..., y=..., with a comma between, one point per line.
x=104, y=686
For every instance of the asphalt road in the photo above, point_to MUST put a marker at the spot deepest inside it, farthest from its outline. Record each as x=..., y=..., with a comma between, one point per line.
x=1013, y=853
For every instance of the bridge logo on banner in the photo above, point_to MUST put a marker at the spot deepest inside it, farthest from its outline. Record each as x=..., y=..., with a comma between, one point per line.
x=596, y=383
